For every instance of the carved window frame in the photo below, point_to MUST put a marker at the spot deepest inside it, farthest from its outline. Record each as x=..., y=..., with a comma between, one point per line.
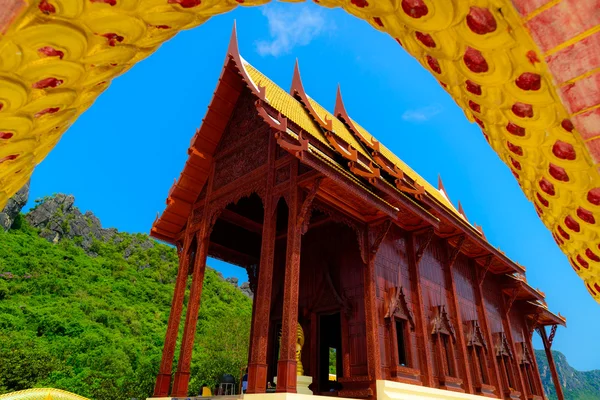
x=399, y=309
x=505, y=360
x=477, y=352
x=526, y=366
x=444, y=341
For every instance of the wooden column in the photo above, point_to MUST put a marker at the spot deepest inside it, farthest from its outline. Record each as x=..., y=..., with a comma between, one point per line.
x=163, y=379
x=462, y=344
x=547, y=347
x=485, y=324
x=182, y=376
x=257, y=366
x=286, y=366
x=374, y=235
x=423, y=333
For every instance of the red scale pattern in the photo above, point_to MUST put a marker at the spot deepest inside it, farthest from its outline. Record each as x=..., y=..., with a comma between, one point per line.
x=586, y=215
x=515, y=129
x=547, y=187
x=425, y=38
x=529, y=81
x=518, y=150
x=563, y=150
x=591, y=255
x=49, y=51
x=475, y=61
x=473, y=88
x=481, y=21
x=415, y=8
x=434, y=64
x=558, y=173
x=522, y=110
x=572, y=224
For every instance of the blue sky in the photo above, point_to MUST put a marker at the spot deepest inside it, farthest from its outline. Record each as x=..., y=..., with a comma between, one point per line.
x=121, y=157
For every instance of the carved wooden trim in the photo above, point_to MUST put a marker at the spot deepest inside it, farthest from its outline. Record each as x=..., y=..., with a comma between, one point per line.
x=370, y=172
x=441, y=322
x=510, y=299
x=398, y=302
x=394, y=171
x=418, y=192
x=379, y=232
x=305, y=209
x=233, y=54
x=482, y=273
x=455, y=250
x=502, y=346
x=552, y=334
x=525, y=355
x=348, y=152
x=475, y=335
x=421, y=250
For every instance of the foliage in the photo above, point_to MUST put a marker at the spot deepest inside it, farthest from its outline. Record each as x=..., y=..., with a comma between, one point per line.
x=577, y=385
x=332, y=361
x=95, y=326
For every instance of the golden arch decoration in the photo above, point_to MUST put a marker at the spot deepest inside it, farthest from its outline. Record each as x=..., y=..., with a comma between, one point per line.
x=41, y=394
x=58, y=56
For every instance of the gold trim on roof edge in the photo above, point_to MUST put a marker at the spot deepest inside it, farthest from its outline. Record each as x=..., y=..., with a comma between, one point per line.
x=59, y=55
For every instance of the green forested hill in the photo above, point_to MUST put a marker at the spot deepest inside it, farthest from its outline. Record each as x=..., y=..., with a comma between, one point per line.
x=93, y=321
x=577, y=385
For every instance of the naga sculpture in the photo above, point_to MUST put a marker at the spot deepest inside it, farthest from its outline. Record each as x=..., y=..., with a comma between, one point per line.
x=41, y=394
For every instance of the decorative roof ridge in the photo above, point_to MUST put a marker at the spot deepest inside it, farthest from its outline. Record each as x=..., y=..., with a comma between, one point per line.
x=233, y=54
x=297, y=89
x=340, y=111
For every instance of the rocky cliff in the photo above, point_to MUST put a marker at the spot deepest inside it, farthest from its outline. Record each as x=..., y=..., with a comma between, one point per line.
x=577, y=385
x=13, y=207
x=57, y=218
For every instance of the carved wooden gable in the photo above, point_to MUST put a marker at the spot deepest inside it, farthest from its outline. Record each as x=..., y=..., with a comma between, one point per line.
x=502, y=346
x=398, y=306
x=243, y=146
x=474, y=335
x=441, y=322
x=525, y=354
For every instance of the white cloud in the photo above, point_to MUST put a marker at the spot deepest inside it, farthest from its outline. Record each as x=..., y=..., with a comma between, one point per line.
x=422, y=114
x=290, y=27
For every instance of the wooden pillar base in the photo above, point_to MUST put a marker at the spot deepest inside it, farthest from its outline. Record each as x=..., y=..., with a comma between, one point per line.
x=180, y=384
x=163, y=383
x=286, y=376
x=257, y=378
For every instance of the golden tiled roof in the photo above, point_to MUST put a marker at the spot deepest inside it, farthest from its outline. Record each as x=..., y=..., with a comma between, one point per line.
x=293, y=109
x=285, y=103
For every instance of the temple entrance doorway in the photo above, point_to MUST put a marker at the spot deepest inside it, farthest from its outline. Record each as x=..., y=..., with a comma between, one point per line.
x=329, y=353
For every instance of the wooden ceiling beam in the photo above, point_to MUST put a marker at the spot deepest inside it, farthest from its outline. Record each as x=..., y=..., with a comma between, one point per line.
x=241, y=221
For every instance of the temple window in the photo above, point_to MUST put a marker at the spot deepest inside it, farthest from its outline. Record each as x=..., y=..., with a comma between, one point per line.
x=504, y=357
x=526, y=366
x=400, y=321
x=401, y=336
x=476, y=350
x=444, y=343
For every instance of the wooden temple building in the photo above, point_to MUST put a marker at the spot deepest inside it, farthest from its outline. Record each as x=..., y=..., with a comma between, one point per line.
x=340, y=236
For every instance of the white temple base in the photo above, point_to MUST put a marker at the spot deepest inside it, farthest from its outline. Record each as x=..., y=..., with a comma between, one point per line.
x=302, y=383
x=389, y=390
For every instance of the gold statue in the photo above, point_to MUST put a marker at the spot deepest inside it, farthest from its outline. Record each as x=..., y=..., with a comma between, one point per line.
x=299, y=344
